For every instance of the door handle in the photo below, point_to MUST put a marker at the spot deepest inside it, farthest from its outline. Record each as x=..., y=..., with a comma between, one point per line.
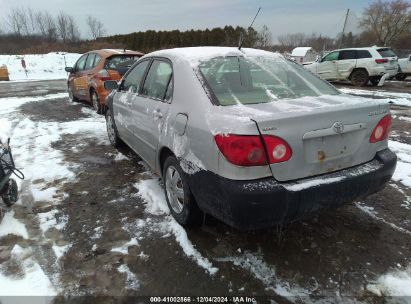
x=158, y=114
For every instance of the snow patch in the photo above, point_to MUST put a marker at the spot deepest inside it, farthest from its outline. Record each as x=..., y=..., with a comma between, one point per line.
x=396, y=284
x=132, y=282
x=402, y=172
x=10, y=225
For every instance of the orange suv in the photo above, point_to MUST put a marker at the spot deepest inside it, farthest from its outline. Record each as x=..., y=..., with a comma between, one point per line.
x=86, y=78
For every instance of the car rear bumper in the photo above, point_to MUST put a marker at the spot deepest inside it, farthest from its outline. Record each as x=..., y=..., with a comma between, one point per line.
x=266, y=202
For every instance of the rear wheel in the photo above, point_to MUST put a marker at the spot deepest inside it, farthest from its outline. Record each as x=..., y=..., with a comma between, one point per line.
x=71, y=94
x=95, y=100
x=179, y=198
x=400, y=77
x=112, y=130
x=359, y=78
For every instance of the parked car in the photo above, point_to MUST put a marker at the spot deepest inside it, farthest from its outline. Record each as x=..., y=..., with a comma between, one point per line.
x=359, y=65
x=248, y=136
x=86, y=78
x=405, y=68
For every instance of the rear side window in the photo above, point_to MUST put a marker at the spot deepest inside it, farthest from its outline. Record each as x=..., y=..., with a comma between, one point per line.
x=158, y=81
x=119, y=61
x=81, y=63
x=133, y=80
x=90, y=61
x=96, y=60
x=348, y=54
x=386, y=52
x=363, y=54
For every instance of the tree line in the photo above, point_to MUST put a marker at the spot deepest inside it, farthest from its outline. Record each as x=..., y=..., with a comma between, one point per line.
x=228, y=36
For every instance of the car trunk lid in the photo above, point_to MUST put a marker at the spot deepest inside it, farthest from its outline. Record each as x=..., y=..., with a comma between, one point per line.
x=324, y=133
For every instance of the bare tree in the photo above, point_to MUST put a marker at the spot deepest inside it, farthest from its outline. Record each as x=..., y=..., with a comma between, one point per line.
x=387, y=19
x=73, y=33
x=62, y=23
x=46, y=25
x=96, y=27
x=17, y=22
x=292, y=40
x=264, y=37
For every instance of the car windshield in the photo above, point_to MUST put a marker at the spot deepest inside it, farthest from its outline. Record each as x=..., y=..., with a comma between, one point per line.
x=386, y=53
x=120, y=61
x=250, y=80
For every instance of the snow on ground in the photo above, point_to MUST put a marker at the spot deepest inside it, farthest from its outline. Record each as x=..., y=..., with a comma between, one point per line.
x=396, y=283
x=32, y=281
x=10, y=225
x=153, y=194
x=39, y=67
x=402, y=172
x=403, y=99
x=33, y=151
x=266, y=274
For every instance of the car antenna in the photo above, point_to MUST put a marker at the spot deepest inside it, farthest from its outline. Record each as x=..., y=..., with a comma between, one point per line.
x=240, y=43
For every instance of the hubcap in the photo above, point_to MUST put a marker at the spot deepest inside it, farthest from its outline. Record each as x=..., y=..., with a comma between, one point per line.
x=174, y=189
x=110, y=129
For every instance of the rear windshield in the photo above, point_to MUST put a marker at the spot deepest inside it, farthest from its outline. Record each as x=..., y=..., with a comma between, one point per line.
x=386, y=53
x=251, y=80
x=120, y=61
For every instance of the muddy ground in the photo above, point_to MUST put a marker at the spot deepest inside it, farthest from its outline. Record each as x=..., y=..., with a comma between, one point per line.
x=334, y=254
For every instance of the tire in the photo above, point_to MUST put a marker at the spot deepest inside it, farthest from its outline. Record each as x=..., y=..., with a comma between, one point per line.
x=359, y=78
x=95, y=100
x=112, y=130
x=400, y=77
x=11, y=194
x=180, y=199
x=71, y=94
x=375, y=81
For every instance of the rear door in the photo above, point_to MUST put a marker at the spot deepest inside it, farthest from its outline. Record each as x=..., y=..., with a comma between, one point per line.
x=151, y=108
x=123, y=102
x=347, y=60
x=327, y=68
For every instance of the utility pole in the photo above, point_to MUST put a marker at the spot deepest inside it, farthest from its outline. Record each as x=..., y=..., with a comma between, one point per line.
x=345, y=23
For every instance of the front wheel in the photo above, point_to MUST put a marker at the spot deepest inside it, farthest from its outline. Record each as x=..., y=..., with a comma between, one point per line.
x=359, y=78
x=179, y=198
x=71, y=94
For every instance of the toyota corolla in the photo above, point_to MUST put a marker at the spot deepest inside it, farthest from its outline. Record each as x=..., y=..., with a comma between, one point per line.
x=248, y=136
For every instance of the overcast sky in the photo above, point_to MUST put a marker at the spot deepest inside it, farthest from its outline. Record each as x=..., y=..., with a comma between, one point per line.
x=125, y=16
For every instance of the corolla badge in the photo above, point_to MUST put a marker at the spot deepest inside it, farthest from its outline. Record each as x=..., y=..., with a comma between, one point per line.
x=338, y=127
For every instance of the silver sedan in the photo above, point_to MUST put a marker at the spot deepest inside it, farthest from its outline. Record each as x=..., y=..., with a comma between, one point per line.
x=248, y=136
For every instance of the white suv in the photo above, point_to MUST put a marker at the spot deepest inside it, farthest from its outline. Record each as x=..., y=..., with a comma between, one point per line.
x=359, y=65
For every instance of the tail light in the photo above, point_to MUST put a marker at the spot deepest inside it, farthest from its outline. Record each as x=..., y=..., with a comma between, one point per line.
x=249, y=150
x=382, y=130
x=379, y=61
x=103, y=75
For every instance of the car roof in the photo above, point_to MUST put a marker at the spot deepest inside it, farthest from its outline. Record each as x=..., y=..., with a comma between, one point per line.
x=364, y=48
x=195, y=54
x=111, y=52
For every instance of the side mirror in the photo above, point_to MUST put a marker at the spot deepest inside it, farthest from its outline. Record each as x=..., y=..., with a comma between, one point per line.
x=69, y=69
x=110, y=85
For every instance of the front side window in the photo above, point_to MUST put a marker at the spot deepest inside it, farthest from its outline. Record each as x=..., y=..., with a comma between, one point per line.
x=251, y=80
x=81, y=63
x=159, y=81
x=132, y=81
x=348, y=54
x=331, y=57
